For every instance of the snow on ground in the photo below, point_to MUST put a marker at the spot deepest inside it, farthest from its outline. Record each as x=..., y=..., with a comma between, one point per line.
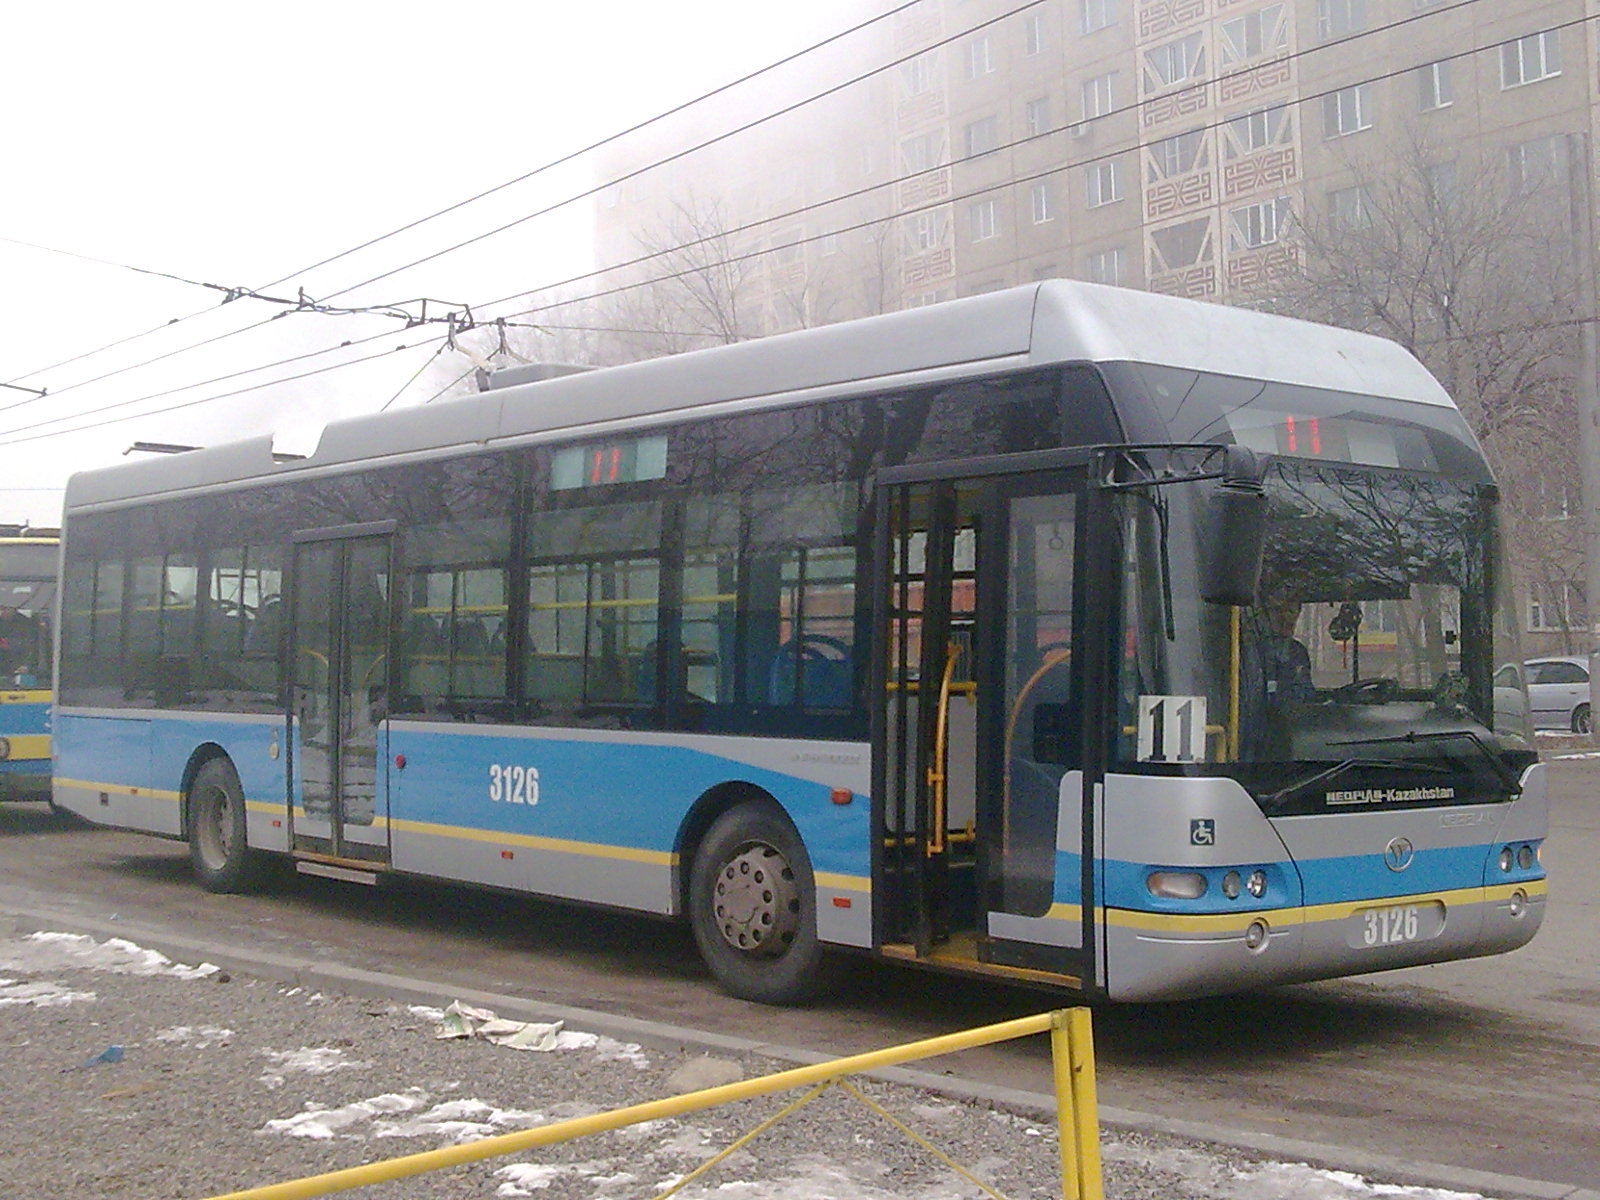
x=411, y=1113
x=43, y=952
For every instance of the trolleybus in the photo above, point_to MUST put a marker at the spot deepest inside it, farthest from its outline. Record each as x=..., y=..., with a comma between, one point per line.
x=961, y=636
x=27, y=602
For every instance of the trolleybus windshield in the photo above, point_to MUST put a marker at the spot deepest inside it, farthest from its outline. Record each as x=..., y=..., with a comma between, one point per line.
x=1361, y=678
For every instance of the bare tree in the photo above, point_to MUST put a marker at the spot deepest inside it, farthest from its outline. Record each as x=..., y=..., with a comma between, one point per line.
x=1465, y=263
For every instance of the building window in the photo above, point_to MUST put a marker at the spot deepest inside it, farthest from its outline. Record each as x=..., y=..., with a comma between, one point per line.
x=1105, y=266
x=1176, y=155
x=1530, y=59
x=1349, y=110
x=924, y=231
x=1339, y=18
x=1099, y=95
x=1554, y=608
x=1043, y=205
x=1036, y=116
x=1263, y=224
x=983, y=220
x=921, y=153
x=1104, y=183
x=1433, y=82
x=980, y=59
x=1537, y=164
x=981, y=137
x=1097, y=14
x=918, y=74
x=1175, y=62
x=1349, y=208
x=1254, y=34
x=828, y=244
x=1258, y=130
x=1033, y=33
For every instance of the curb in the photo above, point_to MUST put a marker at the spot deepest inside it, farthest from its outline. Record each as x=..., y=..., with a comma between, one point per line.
x=327, y=976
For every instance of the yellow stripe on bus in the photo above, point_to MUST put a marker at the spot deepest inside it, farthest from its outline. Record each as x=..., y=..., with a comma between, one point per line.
x=558, y=845
x=28, y=746
x=121, y=789
x=1314, y=914
x=26, y=696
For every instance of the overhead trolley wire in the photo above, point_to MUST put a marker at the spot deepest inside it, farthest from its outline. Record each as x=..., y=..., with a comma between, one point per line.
x=973, y=194
x=815, y=206
x=635, y=128
x=837, y=199
x=571, y=199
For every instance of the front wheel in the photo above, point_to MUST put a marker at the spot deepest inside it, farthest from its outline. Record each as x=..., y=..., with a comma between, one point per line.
x=753, y=904
x=218, y=849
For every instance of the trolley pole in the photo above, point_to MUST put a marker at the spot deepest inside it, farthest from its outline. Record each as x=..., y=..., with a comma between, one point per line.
x=1587, y=392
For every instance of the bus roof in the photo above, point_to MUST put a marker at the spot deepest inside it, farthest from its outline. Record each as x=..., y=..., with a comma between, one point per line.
x=1053, y=322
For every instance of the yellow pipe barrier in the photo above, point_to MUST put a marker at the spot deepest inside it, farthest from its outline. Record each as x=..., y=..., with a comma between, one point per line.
x=1076, y=1115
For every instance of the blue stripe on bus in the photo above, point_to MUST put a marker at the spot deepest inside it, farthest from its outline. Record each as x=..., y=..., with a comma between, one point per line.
x=599, y=791
x=1306, y=884
x=589, y=791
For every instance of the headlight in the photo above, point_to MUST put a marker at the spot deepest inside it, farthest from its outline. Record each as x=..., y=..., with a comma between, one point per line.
x=1176, y=885
x=5, y=747
x=1230, y=885
x=1257, y=884
x=1505, y=858
x=1525, y=858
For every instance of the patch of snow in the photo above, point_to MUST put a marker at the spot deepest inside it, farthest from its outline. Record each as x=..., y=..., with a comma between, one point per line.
x=308, y=1060
x=326, y=1123
x=15, y=992
x=187, y=1035
x=44, y=951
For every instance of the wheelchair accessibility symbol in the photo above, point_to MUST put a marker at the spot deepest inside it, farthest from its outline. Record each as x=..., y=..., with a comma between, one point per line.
x=1202, y=833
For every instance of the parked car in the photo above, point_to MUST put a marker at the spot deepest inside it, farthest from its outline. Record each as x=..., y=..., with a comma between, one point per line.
x=1558, y=692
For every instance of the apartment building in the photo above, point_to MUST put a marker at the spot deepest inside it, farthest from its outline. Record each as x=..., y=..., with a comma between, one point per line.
x=1219, y=149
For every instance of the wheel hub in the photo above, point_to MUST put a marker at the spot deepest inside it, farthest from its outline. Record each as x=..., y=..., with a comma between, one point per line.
x=757, y=903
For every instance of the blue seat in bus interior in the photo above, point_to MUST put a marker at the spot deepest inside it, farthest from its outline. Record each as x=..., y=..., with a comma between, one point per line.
x=828, y=678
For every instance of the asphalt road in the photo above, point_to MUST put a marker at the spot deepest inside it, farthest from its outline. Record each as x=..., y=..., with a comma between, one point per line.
x=1491, y=1065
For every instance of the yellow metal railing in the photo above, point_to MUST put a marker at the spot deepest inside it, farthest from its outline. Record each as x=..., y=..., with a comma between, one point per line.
x=1077, y=1119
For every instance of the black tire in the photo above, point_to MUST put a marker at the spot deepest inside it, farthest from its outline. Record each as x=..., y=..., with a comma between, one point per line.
x=1582, y=722
x=222, y=860
x=753, y=905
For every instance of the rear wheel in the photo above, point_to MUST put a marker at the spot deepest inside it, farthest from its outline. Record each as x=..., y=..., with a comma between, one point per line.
x=218, y=850
x=1582, y=722
x=753, y=904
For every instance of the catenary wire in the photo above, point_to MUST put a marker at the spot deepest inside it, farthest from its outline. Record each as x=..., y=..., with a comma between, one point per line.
x=635, y=128
x=571, y=199
x=834, y=200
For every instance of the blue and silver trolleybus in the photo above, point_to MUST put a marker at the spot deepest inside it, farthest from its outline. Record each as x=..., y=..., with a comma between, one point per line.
x=1064, y=634
x=27, y=604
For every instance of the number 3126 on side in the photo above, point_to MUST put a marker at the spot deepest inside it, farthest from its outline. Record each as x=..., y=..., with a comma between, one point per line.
x=513, y=784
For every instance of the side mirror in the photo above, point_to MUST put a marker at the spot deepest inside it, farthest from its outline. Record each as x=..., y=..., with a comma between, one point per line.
x=1233, y=532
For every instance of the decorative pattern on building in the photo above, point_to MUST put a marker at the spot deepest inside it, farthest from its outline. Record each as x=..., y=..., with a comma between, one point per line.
x=1254, y=269
x=1157, y=18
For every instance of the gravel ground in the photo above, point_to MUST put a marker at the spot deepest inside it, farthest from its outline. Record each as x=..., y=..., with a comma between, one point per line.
x=223, y=1079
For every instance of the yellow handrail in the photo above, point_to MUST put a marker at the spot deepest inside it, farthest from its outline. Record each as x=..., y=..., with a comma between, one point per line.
x=1077, y=1118
x=938, y=769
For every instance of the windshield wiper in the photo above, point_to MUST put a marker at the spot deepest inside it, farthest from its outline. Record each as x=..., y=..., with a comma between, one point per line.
x=1274, y=800
x=1500, y=769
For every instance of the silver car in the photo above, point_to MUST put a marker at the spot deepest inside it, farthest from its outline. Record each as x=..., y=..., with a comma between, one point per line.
x=1558, y=693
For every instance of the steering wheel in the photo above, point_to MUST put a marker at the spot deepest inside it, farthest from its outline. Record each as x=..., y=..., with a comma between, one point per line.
x=1376, y=690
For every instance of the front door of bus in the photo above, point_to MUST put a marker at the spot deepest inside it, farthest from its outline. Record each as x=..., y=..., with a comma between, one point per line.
x=341, y=664
x=982, y=785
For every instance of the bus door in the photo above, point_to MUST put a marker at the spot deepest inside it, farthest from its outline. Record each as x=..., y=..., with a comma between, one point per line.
x=978, y=740
x=339, y=696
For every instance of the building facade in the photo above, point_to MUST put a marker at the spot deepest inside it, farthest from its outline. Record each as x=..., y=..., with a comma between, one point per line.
x=1276, y=153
